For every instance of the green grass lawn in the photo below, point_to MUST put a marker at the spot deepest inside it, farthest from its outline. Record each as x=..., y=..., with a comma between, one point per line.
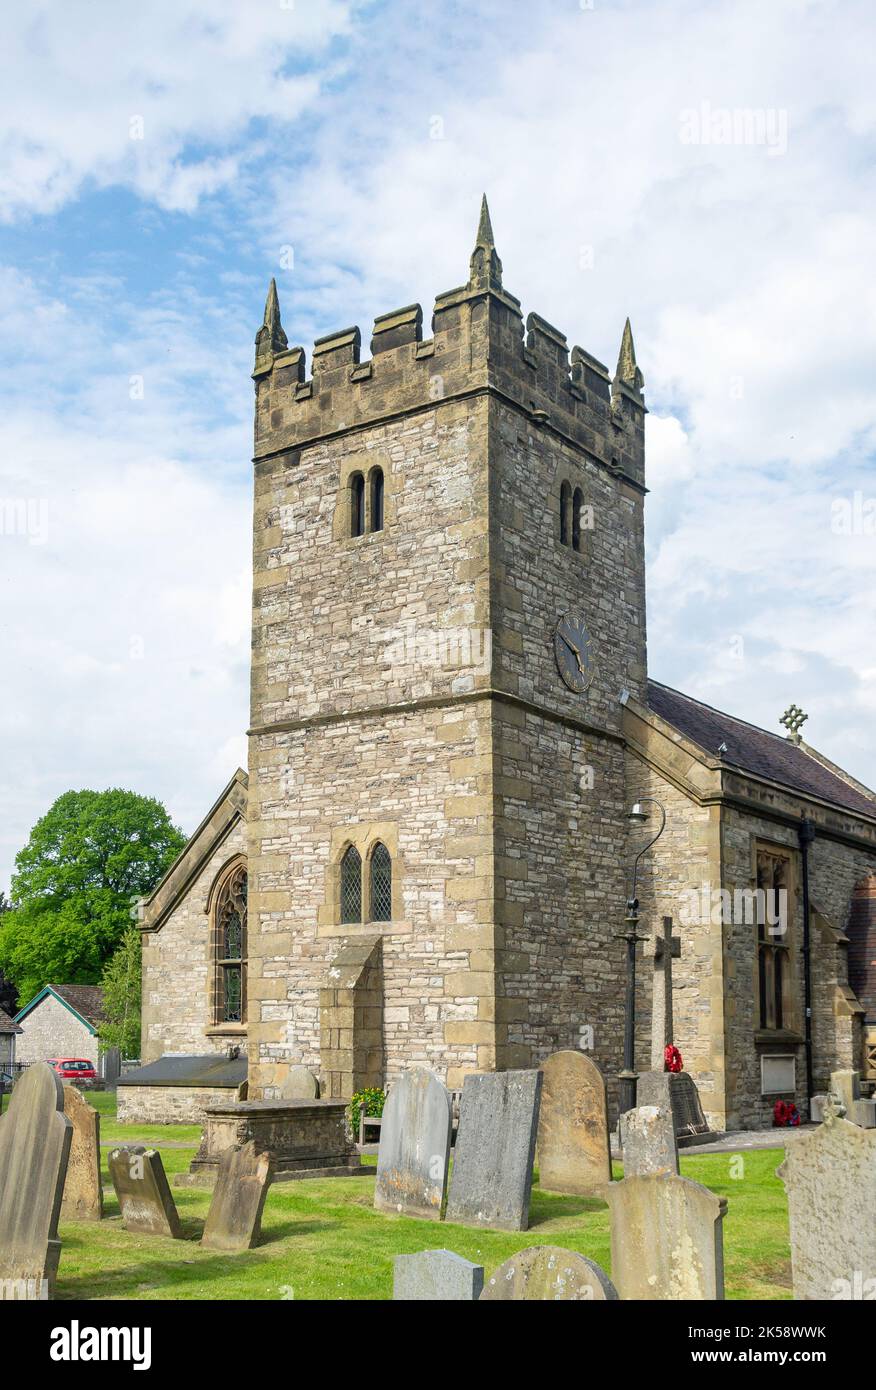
x=322, y=1239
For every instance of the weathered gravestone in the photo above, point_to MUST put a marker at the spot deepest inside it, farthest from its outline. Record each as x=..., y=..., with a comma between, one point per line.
x=666, y=1238
x=145, y=1199
x=83, y=1194
x=436, y=1275
x=846, y=1086
x=414, y=1146
x=547, y=1272
x=299, y=1084
x=234, y=1221
x=647, y=1136
x=830, y=1180
x=35, y=1137
x=495, y=1147
x=574, y=1148
x=676, y=1092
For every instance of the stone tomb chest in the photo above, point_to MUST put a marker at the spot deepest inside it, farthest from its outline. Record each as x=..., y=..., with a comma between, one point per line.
x=303, y=1138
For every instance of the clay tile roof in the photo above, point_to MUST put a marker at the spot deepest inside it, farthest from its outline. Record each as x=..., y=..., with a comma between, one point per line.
x=755, y=750
x=87, y=1000
x=6, y=1023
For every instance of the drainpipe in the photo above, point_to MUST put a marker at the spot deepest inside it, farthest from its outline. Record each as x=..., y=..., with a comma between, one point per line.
x=806, y=834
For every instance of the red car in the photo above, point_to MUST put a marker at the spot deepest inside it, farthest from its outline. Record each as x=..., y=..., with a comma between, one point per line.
x=73, y=1068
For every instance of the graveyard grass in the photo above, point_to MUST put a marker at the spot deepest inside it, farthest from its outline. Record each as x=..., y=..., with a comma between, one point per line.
x=322, y=1239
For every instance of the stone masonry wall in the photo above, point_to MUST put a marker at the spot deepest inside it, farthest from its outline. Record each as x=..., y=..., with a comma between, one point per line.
x=50, y=1030
x=168, y=1105
x=177, y=966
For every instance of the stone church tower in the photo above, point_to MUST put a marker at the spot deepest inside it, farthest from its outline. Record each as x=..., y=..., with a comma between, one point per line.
x=423, y=522
x=429, y=857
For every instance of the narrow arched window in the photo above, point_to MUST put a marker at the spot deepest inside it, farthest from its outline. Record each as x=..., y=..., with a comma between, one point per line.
x=357, y=505
x=351, y=885
x=565, y=510
x=377, y=499
x=577, y=504
x=381, y=884
x=230, y=937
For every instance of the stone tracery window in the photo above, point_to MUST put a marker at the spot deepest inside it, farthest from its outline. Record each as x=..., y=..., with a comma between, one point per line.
x=351, y=885
x=365, y=885
x=381, y=884
x=230, y=919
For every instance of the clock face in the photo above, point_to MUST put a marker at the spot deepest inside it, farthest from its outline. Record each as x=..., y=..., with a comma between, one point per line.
x=572, y=651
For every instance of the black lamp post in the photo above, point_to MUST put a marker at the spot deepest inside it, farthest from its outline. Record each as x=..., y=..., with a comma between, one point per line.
x=629, y=1076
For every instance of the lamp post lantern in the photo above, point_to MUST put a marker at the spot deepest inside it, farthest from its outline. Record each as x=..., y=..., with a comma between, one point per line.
x=629, y=1076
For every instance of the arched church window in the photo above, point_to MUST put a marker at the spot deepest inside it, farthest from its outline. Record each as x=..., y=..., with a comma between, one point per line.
x=377, y=487
x=565, y=513
x=774, y=926
x=577, y=505
x=381, y=884
x=351, y=885
x=357, y=505
x=230, y=938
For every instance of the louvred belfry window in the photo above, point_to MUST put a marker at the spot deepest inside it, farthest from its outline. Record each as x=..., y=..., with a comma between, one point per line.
x=231, y=908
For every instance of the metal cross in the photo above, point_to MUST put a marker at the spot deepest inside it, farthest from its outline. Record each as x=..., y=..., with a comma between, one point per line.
x=792, y=719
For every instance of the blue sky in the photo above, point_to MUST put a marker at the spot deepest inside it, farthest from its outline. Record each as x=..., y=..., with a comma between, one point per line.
x=705, y=168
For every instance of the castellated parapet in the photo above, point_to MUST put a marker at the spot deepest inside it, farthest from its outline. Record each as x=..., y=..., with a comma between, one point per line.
x=478, y=344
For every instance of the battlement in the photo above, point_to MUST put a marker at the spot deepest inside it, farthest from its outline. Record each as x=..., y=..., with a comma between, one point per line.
x=478, y=344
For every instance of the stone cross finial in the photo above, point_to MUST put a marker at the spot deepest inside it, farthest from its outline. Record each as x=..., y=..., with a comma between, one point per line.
x=666, y=949
x=792, y=719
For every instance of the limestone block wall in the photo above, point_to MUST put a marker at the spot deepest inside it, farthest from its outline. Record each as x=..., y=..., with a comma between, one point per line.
x=169, y=1105
x=51, y=1030
x=177, y=968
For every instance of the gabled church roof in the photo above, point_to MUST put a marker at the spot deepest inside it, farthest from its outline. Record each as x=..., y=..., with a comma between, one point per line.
x=757, y=751
x=214, y=828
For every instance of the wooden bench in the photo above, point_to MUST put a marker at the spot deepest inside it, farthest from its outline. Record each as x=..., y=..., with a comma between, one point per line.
x=375, y=1121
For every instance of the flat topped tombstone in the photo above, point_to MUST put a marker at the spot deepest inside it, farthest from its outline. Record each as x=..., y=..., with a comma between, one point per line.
x=83, y=1193
x=549, y=1273
x=676, y=1092
x=830, y=1180
x=647, y=1137
x=574, y=1147
x=436, y=1276
x=35, y=1137
x=414, y=1146
x=299, y=1084
x=145, y=1199
x=666, y=1238
x=495, y=1148
x=234, y=1221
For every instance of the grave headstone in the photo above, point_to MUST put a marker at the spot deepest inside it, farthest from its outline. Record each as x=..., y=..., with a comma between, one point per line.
x=234, y=1221
x=144, y=1197
x=436, y=1275
x=495, y=1146
x=83, y=1194
x=549, y=1273
x=35, y=1137
x=830, y=1181
x=574, y=1147
x=846, y=1086
x=647, y=1137
x=414, y=1146
x=666, y=1238
x=299, y=1084
x=676, y=1092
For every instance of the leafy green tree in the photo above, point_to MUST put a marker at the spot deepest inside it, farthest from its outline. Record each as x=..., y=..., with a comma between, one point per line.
x=120, y=981
x=8, y=992
x=76, y=882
